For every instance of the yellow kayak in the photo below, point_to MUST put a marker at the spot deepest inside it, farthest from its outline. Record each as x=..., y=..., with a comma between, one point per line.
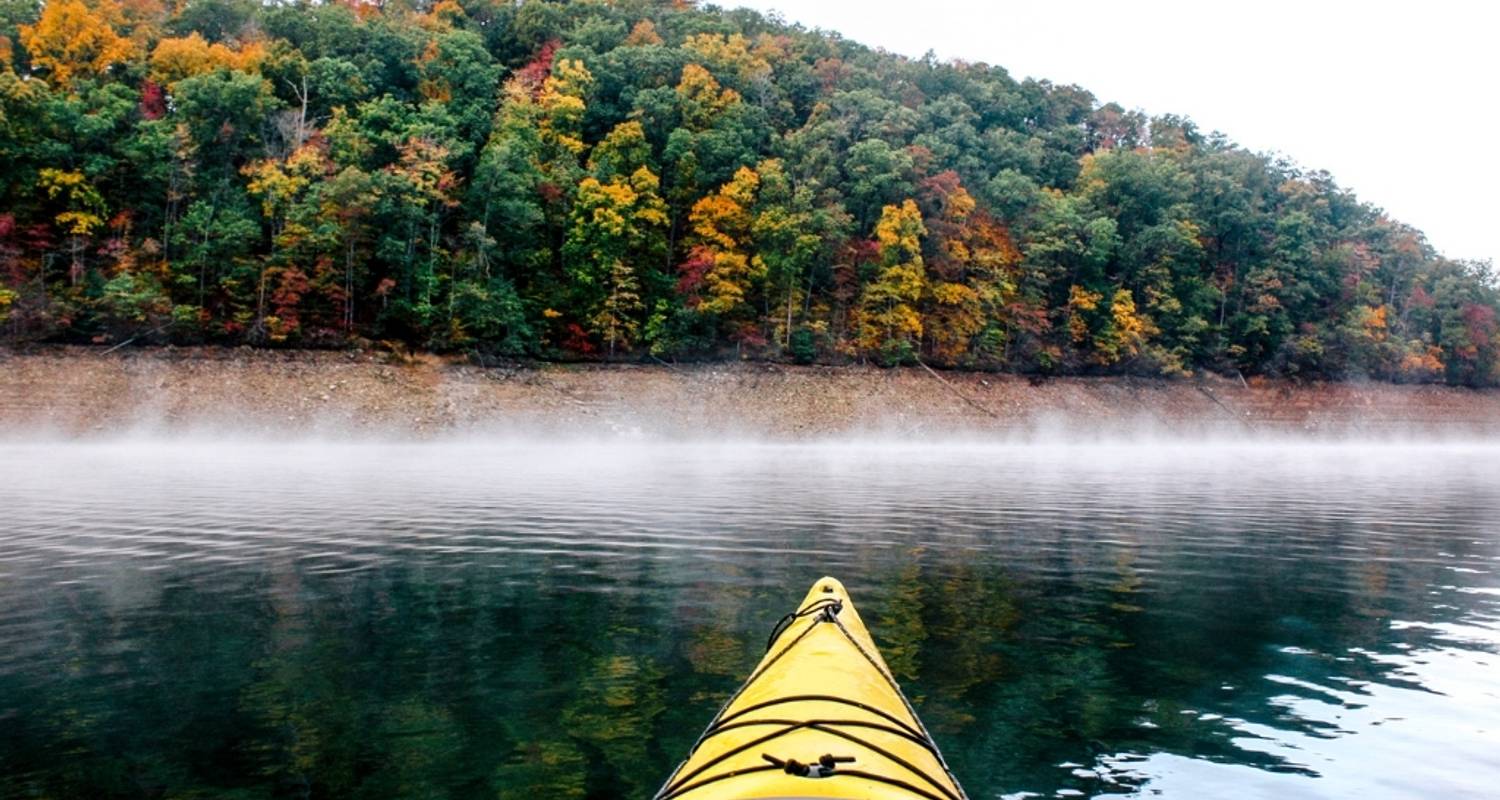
x=821, y=716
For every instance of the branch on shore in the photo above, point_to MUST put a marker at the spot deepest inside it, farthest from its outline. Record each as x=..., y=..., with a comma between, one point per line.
x=152, y=332
x=955, y=390
x=1227, y=410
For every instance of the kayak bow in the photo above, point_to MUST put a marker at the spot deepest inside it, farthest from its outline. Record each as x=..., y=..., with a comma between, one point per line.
x=821, y=716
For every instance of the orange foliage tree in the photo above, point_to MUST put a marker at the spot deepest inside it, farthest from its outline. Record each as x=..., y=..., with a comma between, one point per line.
x=77, y=39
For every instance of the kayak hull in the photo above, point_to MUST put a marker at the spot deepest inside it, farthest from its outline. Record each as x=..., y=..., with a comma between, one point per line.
x=821, y=716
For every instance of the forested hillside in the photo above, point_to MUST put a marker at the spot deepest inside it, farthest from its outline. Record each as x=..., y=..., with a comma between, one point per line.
x=619, y=180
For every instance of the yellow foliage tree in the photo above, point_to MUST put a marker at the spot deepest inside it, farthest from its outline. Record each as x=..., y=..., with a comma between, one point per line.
x=721, y=226
x=733, y=52
x=562, y=102
x=622, y=151
x=889, y=325
x=1080, y=301
x=84, y=206
x=1131, y=328
x=280, y=185
x=183, y=57
x=83, y=211
x=956, y=316
x=701, y=97
x=1109, y=332
x=616, y=227
x=77, y=39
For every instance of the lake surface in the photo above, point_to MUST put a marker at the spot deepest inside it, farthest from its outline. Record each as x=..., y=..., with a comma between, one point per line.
x=503, y=619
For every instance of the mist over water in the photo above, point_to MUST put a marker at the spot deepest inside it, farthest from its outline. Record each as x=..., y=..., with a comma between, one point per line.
x=507, y=616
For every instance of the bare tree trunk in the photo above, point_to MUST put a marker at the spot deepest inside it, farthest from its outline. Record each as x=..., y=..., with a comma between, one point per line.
x=349, y=285
x=260, y=302
x=786, y=336
x=75, y=268
x=301, y=94
x=302, y=114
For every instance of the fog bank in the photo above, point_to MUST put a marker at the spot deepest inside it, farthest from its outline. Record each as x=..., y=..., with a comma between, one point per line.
x=71, y=392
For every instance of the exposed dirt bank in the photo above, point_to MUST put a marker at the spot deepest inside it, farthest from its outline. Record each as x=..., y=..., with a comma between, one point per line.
x=80, y=390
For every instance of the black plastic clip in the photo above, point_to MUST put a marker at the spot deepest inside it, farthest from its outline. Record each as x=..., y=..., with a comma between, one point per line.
x=822, y=768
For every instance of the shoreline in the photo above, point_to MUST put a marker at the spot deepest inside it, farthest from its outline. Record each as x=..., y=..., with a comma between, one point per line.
x=81, y=391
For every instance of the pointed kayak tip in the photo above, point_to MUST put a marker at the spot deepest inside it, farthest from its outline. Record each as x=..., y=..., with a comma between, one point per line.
x=827, y=588
x=828, y=585
x=821, y=716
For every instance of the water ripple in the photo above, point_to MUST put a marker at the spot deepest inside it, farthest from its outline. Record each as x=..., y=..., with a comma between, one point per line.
x=1286, y=619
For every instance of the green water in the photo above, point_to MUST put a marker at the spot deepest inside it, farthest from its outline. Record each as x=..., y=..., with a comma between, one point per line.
x=506, y=620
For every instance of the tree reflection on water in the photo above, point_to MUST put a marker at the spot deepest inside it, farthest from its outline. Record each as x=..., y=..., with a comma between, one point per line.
x=1133, y=643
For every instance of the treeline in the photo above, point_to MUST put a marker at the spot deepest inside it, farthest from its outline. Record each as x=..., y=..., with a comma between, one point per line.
x=636, y=178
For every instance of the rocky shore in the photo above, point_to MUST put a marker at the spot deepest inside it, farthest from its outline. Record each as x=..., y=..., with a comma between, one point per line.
x=79, y=390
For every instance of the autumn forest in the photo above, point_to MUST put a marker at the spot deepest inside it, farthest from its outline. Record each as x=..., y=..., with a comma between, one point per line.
x=641, y=179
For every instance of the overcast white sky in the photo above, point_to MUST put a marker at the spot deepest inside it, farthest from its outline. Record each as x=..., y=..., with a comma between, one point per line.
x=1397, y=100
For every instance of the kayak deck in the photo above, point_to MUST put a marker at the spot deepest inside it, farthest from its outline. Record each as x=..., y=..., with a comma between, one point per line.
x=821, y=716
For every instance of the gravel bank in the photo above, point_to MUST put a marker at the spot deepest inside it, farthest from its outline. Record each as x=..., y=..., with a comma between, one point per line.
x=77, y=390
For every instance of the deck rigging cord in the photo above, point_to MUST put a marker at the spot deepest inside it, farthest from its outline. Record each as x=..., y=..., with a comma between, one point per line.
x=827, y=765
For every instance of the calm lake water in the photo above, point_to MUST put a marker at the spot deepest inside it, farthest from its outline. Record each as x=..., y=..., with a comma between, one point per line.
x=186, y=619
